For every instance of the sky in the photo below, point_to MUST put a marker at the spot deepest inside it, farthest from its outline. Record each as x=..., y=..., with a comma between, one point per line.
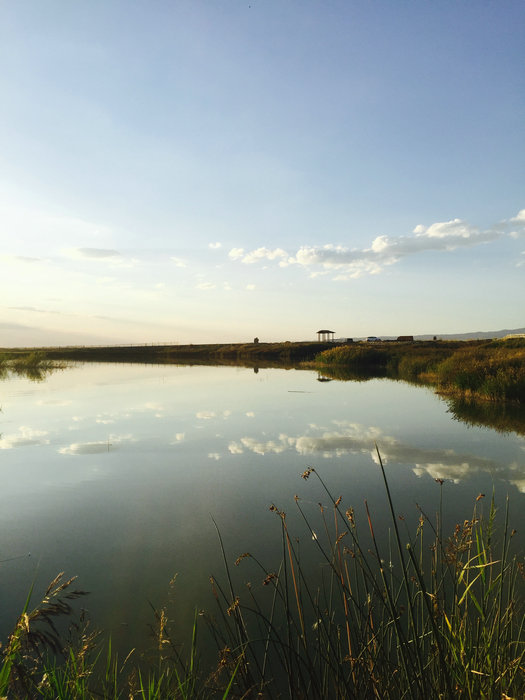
x=211, y=171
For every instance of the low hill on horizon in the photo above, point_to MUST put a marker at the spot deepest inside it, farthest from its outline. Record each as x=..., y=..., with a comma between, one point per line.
x=473, y=335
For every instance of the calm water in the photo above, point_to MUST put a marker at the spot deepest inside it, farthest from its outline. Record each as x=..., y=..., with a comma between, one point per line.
x=114, y=473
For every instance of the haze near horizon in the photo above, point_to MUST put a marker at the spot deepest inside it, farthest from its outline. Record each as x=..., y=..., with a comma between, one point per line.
x=210, y=172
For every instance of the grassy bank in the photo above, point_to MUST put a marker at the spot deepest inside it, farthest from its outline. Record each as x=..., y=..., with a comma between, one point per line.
x=420, y=614
x=487, y=370
x=253, y=354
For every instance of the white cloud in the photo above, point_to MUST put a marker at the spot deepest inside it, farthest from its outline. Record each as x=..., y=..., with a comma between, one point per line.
x=257, y=255
x=91, y=253
x=264, y=254
x=348, y=263
x=214, y=455
x=454, y=228
x=109, y=256
x=520, y=217
x=515, y=223
x=215, y=246
x=179, y=262
x=22, y=258
x=179, y=437
x=250, y=287
x=236, y=253
x=206, y=286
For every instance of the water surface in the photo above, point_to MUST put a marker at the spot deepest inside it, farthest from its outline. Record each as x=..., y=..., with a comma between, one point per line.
x=115, y=473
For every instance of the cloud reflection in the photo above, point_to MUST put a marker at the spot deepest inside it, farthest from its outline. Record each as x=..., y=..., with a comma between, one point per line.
x=350, y=438
x=25, y=437
x=208, y=415
x=90, y=448
x=87, y=448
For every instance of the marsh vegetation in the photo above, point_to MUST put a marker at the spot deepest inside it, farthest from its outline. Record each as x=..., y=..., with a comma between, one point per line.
x=485, y=370
x=422, y=613
x=34, y=364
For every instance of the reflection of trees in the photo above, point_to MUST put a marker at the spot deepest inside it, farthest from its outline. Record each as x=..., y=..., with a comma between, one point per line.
x=347, y=374
x=503, y=417
x=34, y=373
x=34, y=366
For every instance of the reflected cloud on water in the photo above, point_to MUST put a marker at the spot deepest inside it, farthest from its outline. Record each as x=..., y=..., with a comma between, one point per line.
x=208, y=415
x=25, y=437
x=350, y=438
x=87, y=448
x=113, y=442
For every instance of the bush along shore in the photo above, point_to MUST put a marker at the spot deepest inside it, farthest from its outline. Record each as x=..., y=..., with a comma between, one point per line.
x=409, y=615
x=480, y=370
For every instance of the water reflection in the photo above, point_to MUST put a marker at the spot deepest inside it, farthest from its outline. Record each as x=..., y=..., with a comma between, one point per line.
x=87, y=448
x=349, y=438
x=24, y=437
x=36, y=369
x=503, y=417
x=113, y=472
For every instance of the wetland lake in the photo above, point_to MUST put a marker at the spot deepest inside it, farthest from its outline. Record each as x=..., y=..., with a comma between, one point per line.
x=116, y=473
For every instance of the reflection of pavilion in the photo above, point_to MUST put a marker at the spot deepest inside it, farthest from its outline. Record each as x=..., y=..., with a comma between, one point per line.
x=323, y=336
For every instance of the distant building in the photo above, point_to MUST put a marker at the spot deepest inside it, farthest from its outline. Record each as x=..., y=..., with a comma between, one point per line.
x=324, y=336
x=406, y=338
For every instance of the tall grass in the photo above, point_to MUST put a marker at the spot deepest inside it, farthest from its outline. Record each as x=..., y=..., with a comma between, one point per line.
x=496, y=372
x=488, y=370
x=410, y=616
x=419, y=616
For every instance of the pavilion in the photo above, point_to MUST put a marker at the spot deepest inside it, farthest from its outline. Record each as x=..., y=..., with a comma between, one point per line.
x=325, y=336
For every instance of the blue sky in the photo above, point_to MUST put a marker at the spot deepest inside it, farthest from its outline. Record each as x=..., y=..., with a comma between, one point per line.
x=198, y=171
